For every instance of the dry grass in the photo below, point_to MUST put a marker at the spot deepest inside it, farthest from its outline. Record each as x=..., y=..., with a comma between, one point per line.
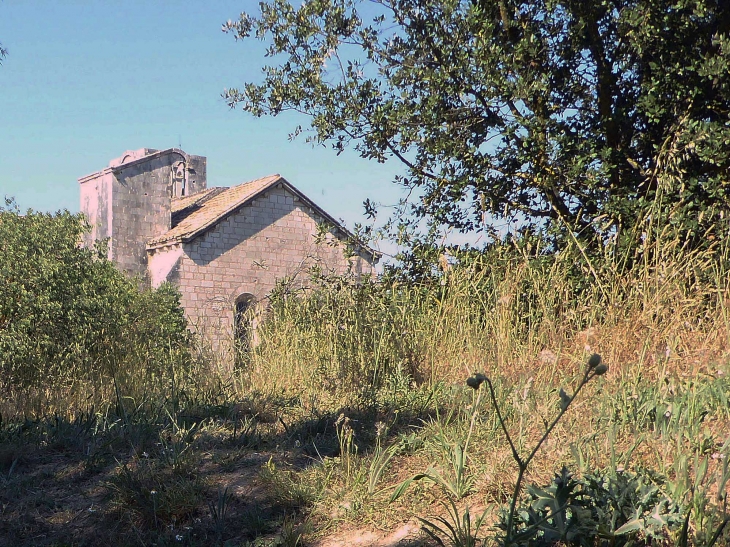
x=393, y=360
x=519, y=318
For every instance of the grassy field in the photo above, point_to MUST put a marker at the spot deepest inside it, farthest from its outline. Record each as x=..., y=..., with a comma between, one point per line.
x=353, y=414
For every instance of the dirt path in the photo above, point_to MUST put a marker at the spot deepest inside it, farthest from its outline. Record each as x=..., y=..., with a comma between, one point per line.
x=407, y=535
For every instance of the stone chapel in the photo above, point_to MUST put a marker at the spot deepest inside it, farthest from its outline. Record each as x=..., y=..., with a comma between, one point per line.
x=225, y=248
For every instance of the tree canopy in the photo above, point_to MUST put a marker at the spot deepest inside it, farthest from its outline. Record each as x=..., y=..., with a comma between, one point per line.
x=66, y=312
x=564, y=113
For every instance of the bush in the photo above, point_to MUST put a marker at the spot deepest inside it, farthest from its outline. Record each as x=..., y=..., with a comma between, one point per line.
x=603, y=507
x=67, y=315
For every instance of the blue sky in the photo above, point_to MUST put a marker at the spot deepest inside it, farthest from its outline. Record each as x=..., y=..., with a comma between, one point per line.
x=85, y=81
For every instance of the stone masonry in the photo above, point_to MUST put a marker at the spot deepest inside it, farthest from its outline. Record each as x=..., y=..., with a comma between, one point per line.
x=220, y=246
x=129, y=202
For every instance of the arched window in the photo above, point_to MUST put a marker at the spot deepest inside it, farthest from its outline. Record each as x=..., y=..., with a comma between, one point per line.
x=242, y=327
x=178, y=180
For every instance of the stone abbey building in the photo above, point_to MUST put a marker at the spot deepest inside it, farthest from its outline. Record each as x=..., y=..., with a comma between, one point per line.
x=225, y=248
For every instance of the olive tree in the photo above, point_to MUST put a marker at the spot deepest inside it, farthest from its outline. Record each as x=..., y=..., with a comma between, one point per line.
x=564, y=113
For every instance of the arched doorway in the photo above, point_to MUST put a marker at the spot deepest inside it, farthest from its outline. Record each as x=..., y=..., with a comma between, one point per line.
x=242, y=326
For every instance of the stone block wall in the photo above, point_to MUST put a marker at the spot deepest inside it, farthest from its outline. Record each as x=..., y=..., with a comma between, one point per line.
x=245, y=254
x=96, y=202
x=141, y=201
x=141, y=210
x=197, y=174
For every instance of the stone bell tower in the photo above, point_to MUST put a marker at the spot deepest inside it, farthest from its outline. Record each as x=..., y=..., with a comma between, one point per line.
x=130, y=201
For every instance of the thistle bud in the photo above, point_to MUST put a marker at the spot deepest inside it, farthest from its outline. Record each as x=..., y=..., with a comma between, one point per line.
x=594, y=360
x=601, y=370
x=475, y=381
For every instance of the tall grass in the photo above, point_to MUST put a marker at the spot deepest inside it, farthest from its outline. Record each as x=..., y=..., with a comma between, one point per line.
x=515, y=310
x=528, y=318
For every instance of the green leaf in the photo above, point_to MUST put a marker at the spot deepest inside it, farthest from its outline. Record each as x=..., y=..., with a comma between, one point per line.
x=633, y=525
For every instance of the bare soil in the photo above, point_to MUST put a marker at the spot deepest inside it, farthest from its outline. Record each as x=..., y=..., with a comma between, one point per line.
x=65, y=484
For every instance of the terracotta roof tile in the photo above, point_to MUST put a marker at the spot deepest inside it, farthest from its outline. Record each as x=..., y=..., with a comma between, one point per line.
x=178, y=204
x=212, y=209
x=181, y=208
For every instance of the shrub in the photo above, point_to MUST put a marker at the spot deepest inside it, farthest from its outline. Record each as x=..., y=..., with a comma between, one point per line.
x=68, y=315
x=603, y=507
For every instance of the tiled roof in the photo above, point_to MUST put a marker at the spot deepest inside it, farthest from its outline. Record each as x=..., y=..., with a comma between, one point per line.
x=178, y=204
x=212, y=208
x=194, y=214
x=181, y=208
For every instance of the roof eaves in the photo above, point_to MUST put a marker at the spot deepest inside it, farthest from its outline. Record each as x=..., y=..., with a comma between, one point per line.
x=94, y=175
x=153, y=244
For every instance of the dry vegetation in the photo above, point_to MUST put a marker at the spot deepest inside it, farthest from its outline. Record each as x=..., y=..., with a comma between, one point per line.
x=357, y=388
